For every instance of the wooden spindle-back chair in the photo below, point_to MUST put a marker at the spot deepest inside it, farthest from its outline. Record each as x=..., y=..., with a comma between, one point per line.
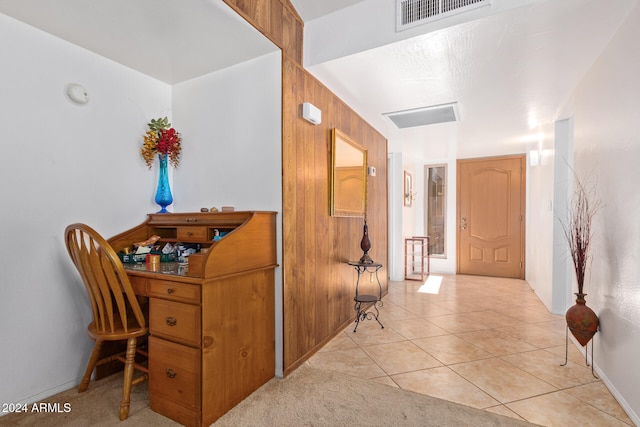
x=117, y=315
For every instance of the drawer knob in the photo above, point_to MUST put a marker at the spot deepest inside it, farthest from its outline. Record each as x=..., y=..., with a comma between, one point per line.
x=169, y=291
x=189, y=233
x=170, y=373
x=171, y=321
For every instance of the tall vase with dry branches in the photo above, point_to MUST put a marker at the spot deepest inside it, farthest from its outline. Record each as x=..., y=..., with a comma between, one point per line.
x=581, y=320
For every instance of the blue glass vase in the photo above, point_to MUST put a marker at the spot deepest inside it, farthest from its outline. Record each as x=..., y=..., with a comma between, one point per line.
x=163, y=194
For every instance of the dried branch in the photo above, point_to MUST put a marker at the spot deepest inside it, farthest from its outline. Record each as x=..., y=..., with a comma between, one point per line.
x=578, y=231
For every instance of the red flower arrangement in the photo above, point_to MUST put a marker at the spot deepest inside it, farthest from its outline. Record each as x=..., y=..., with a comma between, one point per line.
x=162, y=139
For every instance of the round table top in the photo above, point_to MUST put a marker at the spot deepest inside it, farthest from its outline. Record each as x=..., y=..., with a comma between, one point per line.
x=367, y=264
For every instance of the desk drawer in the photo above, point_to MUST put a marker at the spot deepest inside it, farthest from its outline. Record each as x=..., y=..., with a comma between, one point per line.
x=192, y=234
x=174, y=372
x=175, y=320
x=174, y=291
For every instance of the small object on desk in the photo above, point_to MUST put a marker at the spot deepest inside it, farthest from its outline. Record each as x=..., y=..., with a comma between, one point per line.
x=149, y=242
x=228, y=209
x=204, y=210
x=143, y=250
x=186, y=249
x=132, y=258
x=213, y=209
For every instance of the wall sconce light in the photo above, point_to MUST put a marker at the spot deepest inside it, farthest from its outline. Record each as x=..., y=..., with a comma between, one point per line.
x=534, y=158
x=311, y=113
x=410, y=196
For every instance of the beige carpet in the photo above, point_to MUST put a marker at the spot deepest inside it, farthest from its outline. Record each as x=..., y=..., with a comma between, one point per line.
x=307, y=397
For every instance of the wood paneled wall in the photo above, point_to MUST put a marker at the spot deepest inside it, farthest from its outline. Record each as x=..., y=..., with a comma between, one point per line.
x=319, y=286
x=277, y=20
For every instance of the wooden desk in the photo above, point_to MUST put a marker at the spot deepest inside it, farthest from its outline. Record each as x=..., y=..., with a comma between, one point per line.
x=211, y=322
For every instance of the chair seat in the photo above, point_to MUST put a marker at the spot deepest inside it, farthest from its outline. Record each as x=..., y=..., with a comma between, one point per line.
x=117, y=335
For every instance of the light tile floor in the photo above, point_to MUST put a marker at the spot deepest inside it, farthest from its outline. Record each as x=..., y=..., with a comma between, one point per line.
x=484, y=342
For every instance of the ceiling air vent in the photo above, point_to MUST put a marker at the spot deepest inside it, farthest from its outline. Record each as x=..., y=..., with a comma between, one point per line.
x=411, y=13
x=424, y=116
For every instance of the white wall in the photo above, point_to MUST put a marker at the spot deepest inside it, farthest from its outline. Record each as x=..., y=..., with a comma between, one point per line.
x=607, y=152
x=562, y=272
x=233, y=117
x=231, y=122
x=540, y=216
x=396, y=208
x=602, y=144
x=61, y=163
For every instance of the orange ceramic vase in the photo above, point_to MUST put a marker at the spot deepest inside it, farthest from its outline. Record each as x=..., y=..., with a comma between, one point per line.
x=581, y=320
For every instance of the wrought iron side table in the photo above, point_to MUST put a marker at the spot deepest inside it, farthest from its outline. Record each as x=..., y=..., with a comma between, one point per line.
x=365, y=302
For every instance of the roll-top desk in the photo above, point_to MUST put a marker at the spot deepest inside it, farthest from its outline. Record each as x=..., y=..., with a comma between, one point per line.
x=211, y=321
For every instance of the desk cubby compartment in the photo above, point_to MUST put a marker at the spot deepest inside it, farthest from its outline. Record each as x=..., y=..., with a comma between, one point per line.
x=190, y=233
x=166, y=234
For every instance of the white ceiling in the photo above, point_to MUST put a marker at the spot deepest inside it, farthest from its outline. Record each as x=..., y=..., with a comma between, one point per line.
x=511, y=74
x=169, y=40
x=312, y=9
x=504, y=70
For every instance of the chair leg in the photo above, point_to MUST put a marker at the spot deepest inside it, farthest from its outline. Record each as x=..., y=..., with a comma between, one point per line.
x=93, y=360
x=128, y=377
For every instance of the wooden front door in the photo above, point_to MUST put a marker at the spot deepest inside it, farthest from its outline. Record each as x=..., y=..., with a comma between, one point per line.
x=490, y=216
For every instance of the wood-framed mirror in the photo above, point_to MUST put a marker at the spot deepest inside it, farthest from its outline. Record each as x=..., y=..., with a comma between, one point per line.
x=348, y=176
